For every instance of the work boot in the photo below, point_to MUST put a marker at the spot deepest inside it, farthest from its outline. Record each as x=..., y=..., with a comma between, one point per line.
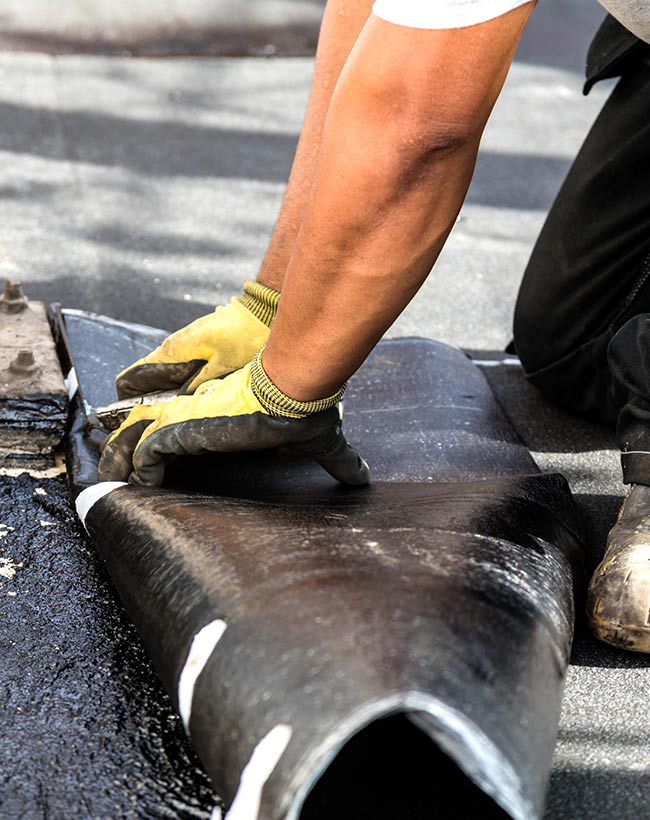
x=618, y=605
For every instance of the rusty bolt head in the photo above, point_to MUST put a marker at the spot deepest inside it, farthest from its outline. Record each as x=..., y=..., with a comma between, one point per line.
x=13, y=299
x=24, y=364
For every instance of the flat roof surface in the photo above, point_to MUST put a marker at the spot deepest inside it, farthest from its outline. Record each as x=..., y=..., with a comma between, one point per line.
x=146, y=190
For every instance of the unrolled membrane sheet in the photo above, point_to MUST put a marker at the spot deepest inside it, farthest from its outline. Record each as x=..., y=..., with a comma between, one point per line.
x=352, y=653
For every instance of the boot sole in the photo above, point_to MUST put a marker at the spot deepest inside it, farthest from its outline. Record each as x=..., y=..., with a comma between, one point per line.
x=622, y=636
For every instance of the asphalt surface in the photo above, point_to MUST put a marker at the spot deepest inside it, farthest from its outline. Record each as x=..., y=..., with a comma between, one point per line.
x=87, y=730
x=146, y=190
x=162, y=27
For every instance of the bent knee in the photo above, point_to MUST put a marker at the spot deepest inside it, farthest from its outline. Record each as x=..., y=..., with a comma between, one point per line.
x=540, y=341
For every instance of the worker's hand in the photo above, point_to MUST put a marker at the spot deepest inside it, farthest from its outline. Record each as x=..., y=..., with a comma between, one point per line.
x=244, y=411
x=208, y=348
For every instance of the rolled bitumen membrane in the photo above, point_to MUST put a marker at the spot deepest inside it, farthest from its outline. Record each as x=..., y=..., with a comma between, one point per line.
x=375, y=652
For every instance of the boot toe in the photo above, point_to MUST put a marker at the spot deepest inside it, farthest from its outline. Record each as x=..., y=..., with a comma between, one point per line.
x=618, y=605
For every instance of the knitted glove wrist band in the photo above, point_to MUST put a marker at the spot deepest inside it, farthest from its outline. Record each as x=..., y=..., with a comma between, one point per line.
x=261, y=301
x=277, y=403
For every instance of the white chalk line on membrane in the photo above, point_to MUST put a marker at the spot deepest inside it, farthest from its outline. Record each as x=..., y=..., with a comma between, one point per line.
x=87, y=498
x=71, y=383
x=201, y=649
x=265, y=757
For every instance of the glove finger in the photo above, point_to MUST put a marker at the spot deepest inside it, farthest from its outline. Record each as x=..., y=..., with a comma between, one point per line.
x=151, y=376
x=337, y=457
x=116, y=462
x=345, y=464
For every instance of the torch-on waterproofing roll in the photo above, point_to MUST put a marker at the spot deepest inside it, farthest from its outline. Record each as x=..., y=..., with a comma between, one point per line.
x=358, y=653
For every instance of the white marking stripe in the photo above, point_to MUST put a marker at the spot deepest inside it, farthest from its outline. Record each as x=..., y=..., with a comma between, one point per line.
x=71, y=383
x=265, y=757
x=87, y=498
x=217, y=814
x=496, y=362
x=202, y=647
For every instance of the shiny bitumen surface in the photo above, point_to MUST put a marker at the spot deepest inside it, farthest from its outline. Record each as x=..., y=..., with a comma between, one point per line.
x=146, y=190
x=427, y=549
x=87, y=730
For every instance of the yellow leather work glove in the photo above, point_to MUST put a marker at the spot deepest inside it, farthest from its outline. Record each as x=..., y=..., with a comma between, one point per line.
x=243, y=411
x=208, y=348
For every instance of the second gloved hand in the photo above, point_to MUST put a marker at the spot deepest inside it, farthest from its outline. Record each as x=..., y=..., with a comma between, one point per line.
x=208, y=348
x=243, y=411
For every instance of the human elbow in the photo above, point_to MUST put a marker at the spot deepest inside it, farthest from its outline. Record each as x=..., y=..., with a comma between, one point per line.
x=432, y=139
x=400, y=141
x=422, y=131
x=415, y=148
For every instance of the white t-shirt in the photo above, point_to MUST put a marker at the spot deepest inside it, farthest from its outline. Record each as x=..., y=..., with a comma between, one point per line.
x=437, y=14
x=440, y=14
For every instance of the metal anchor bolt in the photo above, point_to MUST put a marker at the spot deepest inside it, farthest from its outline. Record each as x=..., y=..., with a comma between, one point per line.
x=24, y=363
x=13, y=300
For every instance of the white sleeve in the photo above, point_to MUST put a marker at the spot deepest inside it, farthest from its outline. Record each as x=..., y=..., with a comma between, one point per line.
x=633, y=14
x=438, y=14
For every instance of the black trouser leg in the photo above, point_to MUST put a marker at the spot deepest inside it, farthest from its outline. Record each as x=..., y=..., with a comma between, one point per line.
x=589, y=273
x=629, y=361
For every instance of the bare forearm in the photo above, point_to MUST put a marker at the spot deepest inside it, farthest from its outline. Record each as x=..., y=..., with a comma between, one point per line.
x=396, y=158
x=361, y=259
x=342, y=22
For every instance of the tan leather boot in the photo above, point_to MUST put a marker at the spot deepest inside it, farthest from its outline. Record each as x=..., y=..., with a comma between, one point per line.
x=618, y=604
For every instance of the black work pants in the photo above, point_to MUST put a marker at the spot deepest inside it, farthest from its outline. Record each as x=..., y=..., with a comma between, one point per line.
x=582, y=320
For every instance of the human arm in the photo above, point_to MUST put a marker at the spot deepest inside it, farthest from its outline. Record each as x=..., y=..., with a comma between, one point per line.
x=411, y=103
x=220, y=342
x=397, y=153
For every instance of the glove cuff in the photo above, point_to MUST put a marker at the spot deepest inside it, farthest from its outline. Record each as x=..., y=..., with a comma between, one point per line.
x=261, y=301
x=277, y=403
